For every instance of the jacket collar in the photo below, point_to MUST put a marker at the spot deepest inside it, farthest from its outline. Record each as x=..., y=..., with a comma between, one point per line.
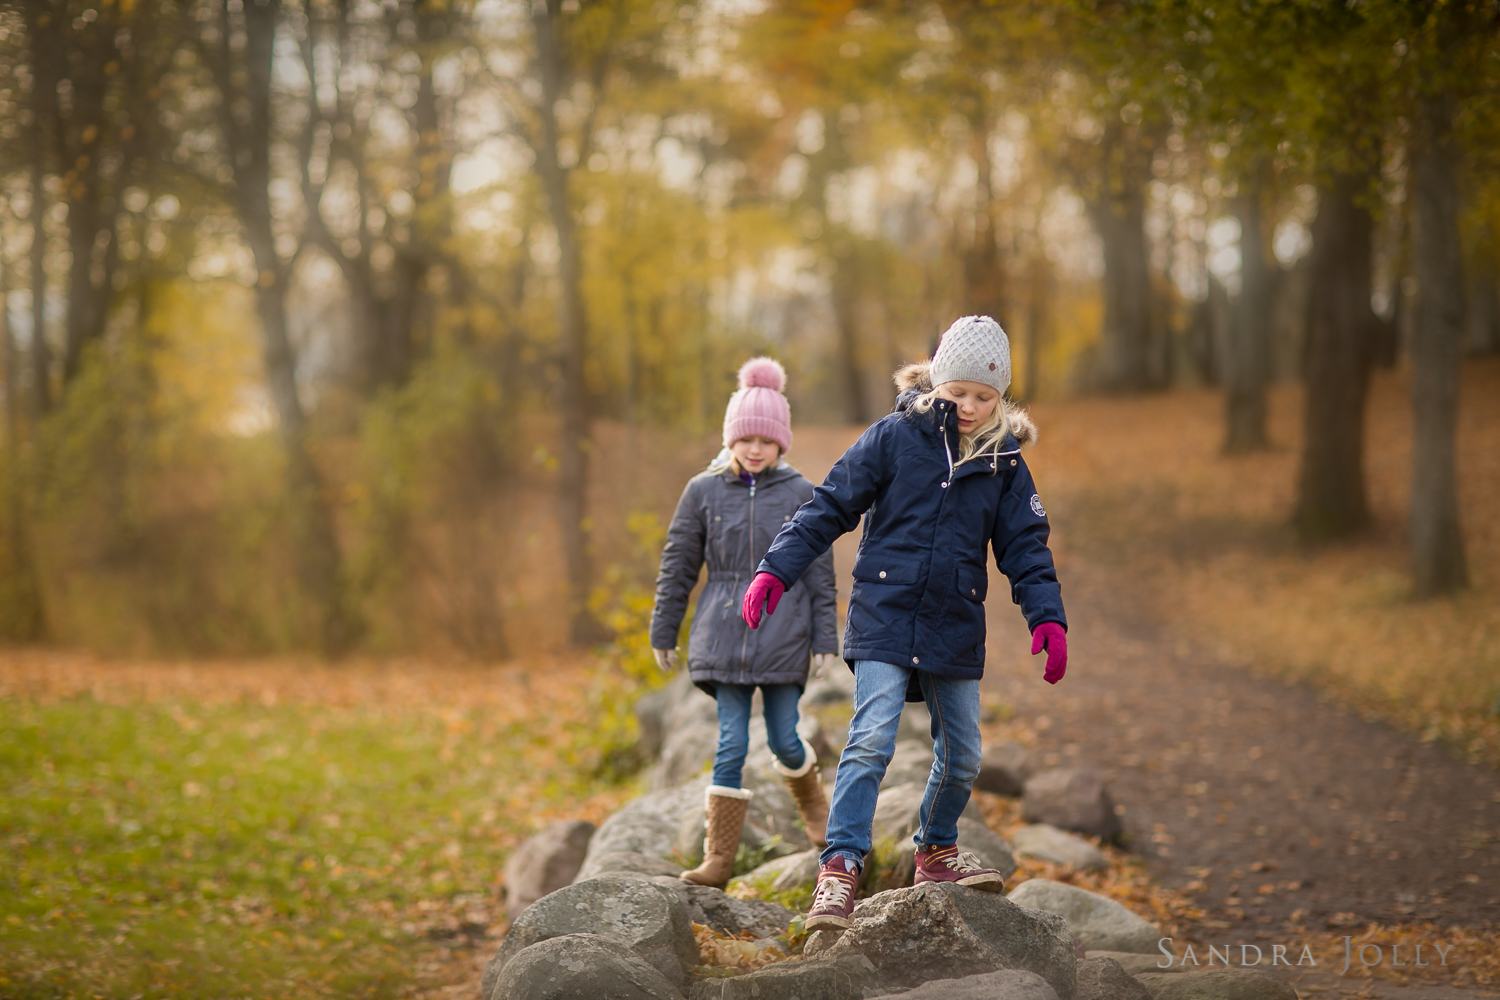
x=942, y=419
x=772, y=475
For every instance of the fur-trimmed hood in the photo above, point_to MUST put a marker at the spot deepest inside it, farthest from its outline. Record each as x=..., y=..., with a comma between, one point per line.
x=913, y=380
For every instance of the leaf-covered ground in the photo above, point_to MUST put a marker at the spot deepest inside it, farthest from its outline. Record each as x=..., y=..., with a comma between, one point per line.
x=275, y=829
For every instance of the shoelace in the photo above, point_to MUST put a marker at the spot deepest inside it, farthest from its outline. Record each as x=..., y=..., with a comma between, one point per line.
x=832, y=891
x=962, y=861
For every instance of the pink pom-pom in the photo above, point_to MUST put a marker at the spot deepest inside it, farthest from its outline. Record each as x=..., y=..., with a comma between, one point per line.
x=764, y=372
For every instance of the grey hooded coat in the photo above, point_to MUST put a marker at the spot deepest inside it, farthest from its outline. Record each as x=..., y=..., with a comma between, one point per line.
x=729, y=525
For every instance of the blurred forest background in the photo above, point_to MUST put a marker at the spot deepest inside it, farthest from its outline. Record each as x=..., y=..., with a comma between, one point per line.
x=372, y=326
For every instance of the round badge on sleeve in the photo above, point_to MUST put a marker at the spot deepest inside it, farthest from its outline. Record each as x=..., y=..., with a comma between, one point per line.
x=1036, y=506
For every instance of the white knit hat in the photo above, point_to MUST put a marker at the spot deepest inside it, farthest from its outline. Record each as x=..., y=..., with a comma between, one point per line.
x=974, y=349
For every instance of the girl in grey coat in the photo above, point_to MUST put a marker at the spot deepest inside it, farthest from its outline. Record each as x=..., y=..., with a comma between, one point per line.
x=726, y=518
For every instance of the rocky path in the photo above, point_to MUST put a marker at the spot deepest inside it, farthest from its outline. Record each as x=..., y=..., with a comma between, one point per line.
x=1266, y=802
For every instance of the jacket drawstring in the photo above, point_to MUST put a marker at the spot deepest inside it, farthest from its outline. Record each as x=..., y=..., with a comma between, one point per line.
x=948, y=452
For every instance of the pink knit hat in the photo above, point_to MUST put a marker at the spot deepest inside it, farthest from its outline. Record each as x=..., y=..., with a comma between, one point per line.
x=759, y=409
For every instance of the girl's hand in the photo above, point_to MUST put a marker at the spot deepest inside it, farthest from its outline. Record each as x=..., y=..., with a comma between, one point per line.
x=765, y=591
x=1051, y=637
x=823, y=663
x=666, y=659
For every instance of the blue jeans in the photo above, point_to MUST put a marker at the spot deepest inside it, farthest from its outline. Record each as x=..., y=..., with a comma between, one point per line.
x=734, y=728
x=879, y=693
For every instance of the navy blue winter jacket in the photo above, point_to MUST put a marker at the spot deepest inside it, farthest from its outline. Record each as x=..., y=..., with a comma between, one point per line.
x=920, y=576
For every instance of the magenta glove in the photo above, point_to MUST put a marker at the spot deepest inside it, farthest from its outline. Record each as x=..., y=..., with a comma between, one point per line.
x=765, y=591
x=1051, y=637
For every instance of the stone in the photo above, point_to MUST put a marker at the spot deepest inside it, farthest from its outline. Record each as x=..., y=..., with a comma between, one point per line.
x=545, y=863
x=911, y=762
x=837, y=688
x=1047, y=843
x=1136, y=963
x=896, y=811
x=1071, y=798
x=685, y=753
x=1007, y=984
x=630, y=863
x=650, y=715
x=915, y=724
x=941, y=930
x=973, y=836
x=1100, y=923
x=1106, y=979
x=793, y=871
x=645, y=825
x=770, y=827
x=573, y=966
x=648, y=919
x=848, y=978
x=713, y=908
x=1217, y=984
x=989, y=847
x=1003, y=769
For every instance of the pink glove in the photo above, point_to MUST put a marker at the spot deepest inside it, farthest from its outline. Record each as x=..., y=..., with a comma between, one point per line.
x=1051, y=637
x=765, y=591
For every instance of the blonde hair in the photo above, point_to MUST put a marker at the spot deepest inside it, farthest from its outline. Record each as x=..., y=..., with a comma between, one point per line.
x=983, y=441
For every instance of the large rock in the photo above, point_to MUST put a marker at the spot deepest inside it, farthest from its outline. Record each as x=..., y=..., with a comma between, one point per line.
x=897, y=808
x=848, y=978
x=939, y=930
x=644, y=825
x=1135, y=963
x=1217, y=984
x=837, y=688
x=1071, y=798
x=1047, y=843
x=545, y=863
x=973, y=836
x=1007, y=984
x=1004, y=769
x=685, y=753
x=794, y=871
x=574, y=966
x=1100, y=923
x=1106, y=979
x=631, y=863
x=648, y=919
x=911, y=762
x=712, y=908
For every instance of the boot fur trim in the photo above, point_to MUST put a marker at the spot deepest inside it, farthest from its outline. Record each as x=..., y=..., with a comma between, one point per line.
x=725, y=792
x=809, y=761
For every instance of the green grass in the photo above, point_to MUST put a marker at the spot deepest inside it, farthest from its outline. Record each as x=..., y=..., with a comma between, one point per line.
x=157, y=850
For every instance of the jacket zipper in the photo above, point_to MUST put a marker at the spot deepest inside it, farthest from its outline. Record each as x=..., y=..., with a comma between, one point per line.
x=745, y=642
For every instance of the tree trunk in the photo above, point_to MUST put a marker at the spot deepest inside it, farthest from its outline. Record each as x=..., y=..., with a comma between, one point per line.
x=1039, y=294
x=1331, y=486
x=1119, y=218
x=41, y=355
x=574, y=442
x=21, y=615
x=1249, y=335
x=984, y=279
x=1436, y=351
x=846, y=297
x=246, y=117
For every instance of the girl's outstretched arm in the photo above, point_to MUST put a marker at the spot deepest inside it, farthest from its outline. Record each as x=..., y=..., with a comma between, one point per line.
x=852, y=485
x=681, y=560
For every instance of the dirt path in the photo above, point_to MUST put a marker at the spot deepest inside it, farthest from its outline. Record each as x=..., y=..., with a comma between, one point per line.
x=1267, y=803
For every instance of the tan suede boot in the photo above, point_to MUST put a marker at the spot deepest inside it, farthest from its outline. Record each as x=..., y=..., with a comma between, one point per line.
x=806, y=786
x=724, y=810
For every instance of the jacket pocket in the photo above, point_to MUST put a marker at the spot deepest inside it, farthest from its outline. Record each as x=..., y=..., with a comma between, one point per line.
x=973, y=582
x=890, y=571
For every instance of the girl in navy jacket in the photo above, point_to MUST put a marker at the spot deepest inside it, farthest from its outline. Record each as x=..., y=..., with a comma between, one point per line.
x=938, y=481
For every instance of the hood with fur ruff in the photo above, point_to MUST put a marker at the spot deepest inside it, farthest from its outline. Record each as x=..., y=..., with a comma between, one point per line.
x=916, y=379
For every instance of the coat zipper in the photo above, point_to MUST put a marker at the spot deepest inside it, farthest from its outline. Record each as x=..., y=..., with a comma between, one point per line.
x=745, y=642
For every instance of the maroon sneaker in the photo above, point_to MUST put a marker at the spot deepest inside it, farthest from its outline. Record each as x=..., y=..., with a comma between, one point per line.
x=833, y=900
x=948, y=864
